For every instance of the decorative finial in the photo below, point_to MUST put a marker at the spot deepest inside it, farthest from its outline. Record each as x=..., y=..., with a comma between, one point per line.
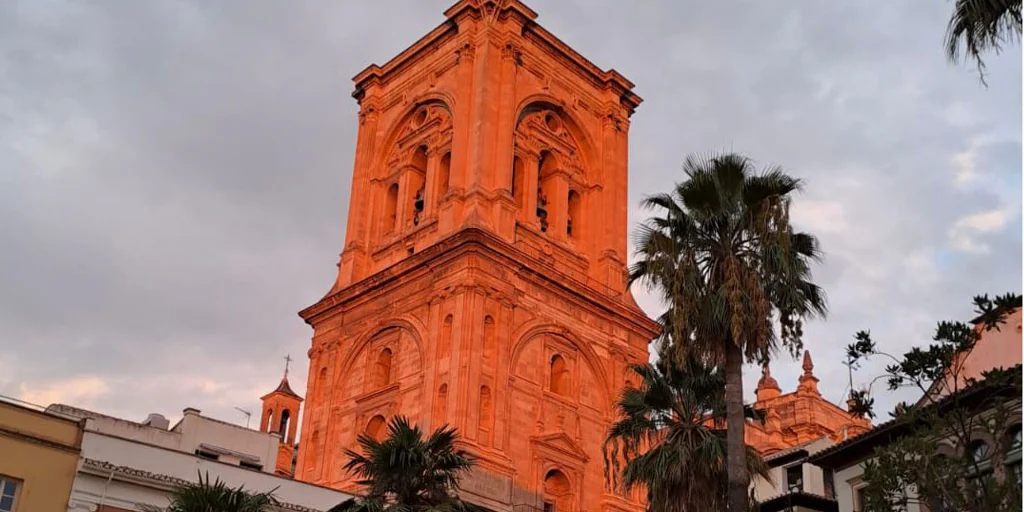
x=808, y=382
x=808, y=364
x=287, y=362
x=767, y=387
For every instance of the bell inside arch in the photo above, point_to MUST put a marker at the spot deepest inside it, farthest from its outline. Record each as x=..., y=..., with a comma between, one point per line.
x=417, y=206
x=542, y=210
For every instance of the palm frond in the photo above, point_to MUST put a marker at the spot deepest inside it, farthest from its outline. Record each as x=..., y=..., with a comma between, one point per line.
x=407, y=471
x=977, y=26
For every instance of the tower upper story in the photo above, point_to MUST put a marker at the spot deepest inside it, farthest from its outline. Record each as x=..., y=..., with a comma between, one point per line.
x=491, y=122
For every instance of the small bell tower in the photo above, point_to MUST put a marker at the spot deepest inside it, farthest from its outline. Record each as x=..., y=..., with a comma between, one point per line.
x=280, y=416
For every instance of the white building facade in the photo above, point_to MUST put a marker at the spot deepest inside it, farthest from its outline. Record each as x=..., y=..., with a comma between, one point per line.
x=127, y=465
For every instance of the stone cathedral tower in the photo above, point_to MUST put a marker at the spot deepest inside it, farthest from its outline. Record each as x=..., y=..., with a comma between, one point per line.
x=482, y=281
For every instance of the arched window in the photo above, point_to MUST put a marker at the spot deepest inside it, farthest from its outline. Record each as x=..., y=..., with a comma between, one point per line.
x=978, y=450
x=557, y=492
x=1012, y=457
x=375, y=428
x=518, y=190
x=416, y=201
x=572, y=223
x=391, y=209
x=486, y=415
x=269, y=427
x=1013, y=441
x=559, y=376
x=286, y=417
x=444, y=343
x=444, y=175
x=419, y=159
x=382, y=369
x=441, y=405
x=490, y=341
x=547, y=164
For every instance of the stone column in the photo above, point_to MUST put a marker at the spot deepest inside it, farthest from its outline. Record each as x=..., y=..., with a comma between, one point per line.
x=403, y=213
x=430, y=192
x=531, y=163
x=352, y=266
x=465, y=78
x=558, y=205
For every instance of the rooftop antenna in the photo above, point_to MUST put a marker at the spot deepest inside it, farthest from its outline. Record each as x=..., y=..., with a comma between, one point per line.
x=248, y=415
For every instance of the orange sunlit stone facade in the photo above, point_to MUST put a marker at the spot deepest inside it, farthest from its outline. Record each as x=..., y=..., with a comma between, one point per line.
x=482, y=281
x=797, y=418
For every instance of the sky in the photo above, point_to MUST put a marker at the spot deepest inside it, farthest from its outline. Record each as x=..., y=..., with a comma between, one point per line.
x=174, y=175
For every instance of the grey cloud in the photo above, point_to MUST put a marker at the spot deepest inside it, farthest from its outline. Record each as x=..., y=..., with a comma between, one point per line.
x=174, y=175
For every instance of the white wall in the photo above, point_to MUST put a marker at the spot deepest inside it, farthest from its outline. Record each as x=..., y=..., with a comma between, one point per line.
x=763, y=489
x=186, y=436
x=196, y=430
x=813, y=476
x=90, y=491
x=814, y=479
x=847, y=479
x=125, y=491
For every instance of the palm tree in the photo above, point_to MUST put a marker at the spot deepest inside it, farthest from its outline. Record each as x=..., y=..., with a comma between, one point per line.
x=725, y=260
x=977, y=26
x=668, y=439
x=204, y=496
x=406, y=473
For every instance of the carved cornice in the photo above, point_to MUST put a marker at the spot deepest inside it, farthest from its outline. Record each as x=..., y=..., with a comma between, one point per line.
x=465, y=51
x=562, y=443
x=497, y=12
x=476, y=240
x=511, y=51
x=376, y=394
x=500, y=8
x=378, y=73
x=370, y=110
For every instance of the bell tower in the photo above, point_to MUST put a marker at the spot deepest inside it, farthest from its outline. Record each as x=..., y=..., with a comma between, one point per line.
x=482, y=281
x=280, y=416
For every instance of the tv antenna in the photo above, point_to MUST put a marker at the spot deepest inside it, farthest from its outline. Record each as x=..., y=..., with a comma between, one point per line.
x=248, y=415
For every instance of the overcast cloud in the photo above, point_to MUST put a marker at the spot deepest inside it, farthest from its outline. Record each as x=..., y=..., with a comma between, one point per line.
x=174, y=174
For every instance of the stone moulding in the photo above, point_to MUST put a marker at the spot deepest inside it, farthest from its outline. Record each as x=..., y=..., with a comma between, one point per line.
x=475, y=239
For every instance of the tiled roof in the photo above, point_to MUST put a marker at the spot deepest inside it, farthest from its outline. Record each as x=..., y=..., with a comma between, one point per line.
x=790, y=450
x=804, y=500
x=285, y=388
x=166, y=479
x=894, y=427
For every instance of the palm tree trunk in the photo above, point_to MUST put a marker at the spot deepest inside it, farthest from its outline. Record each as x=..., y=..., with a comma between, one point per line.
x=736, y=448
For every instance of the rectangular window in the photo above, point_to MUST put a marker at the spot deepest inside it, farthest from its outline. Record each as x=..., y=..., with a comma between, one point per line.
x=795, y=478
x=8, y=493
x=251, y=465
x=207, y=455
x=1013, y=470
x=830, y=483
x=858, y=499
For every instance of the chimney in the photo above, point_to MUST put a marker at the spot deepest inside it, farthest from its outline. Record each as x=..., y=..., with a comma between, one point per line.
x=157, y=421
